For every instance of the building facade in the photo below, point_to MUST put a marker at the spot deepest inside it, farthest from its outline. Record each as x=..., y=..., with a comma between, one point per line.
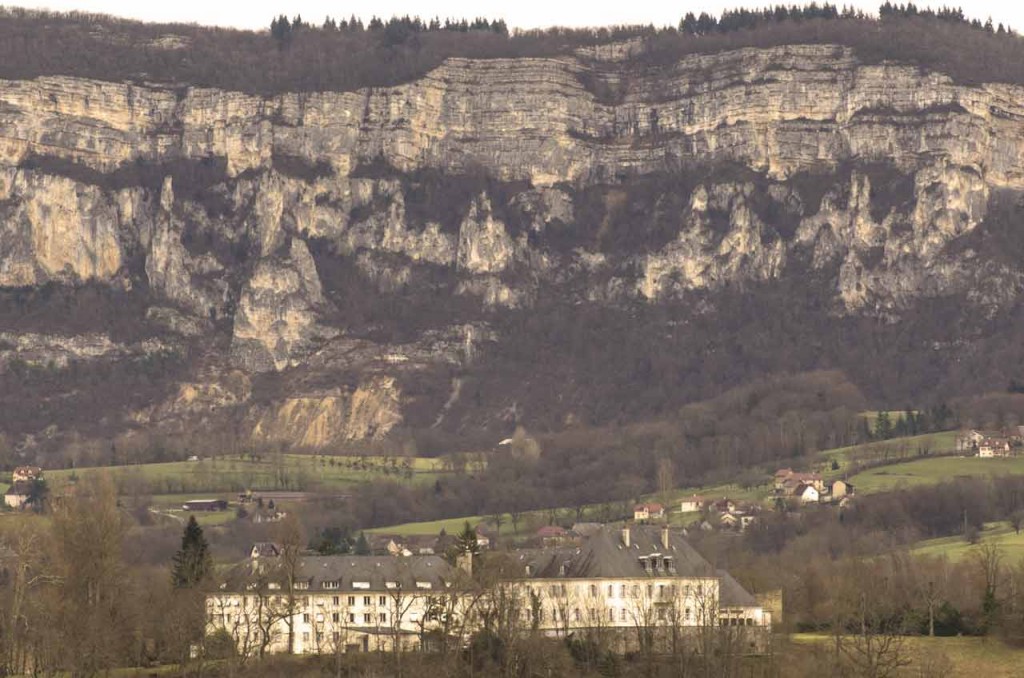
x=632, y=586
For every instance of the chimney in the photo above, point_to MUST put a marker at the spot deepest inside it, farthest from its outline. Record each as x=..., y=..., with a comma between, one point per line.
x=664, y=537
x=625, y=536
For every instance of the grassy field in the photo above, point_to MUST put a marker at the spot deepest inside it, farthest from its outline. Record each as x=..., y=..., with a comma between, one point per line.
x=967, y=657
x=932, y=471
x=956, y=548
x=234, y=474
x=449, y=525
x=944, y=441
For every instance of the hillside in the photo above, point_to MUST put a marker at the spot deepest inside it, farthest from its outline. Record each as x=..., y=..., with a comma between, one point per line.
x=574, y=233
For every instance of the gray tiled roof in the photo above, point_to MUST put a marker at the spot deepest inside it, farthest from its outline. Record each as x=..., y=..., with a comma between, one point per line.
x=731, y=594
x=372, y=573
x=376, y=571
x=605, y=555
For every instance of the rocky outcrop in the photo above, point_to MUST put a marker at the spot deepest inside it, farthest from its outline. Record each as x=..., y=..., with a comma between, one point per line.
x=57, y=351
x=276, y=322
x=700, y=257
x=778, y=110
x=55, y=229
x=368, y=412
x=487, y=185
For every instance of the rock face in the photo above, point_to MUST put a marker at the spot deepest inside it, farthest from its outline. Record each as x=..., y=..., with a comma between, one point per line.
x=369, y=412
x=276, y=322
x=279, y=224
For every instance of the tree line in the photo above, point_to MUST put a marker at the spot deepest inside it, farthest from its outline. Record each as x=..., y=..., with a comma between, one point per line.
x=396, y=28
x=342, y=55
x=750, y=19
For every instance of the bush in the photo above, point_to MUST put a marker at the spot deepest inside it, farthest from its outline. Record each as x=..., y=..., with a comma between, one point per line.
x=219, y=645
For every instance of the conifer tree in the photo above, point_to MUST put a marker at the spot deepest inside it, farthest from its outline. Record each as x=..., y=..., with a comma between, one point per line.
x=467, y=540
x=362, y=547
x=192, y=562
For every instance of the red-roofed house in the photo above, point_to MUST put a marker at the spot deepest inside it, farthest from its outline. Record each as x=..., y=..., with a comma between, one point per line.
x=648, y=511
x=994, y=447
x=786, y=480
x=26, y=474
x=552, y=535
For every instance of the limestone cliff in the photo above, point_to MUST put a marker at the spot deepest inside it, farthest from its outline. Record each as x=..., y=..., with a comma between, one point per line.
x=286, y=226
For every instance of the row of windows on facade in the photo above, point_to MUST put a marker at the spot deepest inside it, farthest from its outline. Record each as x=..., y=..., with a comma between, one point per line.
x=557, y=615
x=663, y=590
x=735, y=621
x=304, y=585
x=594, y=614
x=368, y=618
x=367, y=601
x=525, y=614
x=365, y=618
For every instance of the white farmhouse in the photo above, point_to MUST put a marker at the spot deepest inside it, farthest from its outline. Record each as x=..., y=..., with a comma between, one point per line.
x=692, y=503
x=807, y=494
x=993, y=447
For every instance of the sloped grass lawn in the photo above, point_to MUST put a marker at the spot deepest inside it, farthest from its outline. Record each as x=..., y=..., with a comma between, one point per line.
x=932, y=471
x=957, y=548
x=235, y=474
x=968, y=657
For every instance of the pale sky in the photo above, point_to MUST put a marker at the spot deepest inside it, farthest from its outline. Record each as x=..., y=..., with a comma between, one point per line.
x=517, y=13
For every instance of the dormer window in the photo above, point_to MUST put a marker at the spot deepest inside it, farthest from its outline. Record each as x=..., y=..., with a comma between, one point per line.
x=331, y=584
x=302, y=585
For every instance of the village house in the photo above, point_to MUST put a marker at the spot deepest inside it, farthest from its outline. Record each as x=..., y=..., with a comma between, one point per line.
x=642, y=512
x=967, y=441
x=26, y=474
x=264, y=549
x=17, y=495
x=420, y=545
x=692, y=503
x=403, y=545
x=484, y=536
x=268, y=515
x=839, y=489
x=23, y=486
x=994, y=447
x=739, y=519
x=807, y=494
x=552, y=535
x=724, y=505
x=994, y=442
x=615, y=580
x=787, y=480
